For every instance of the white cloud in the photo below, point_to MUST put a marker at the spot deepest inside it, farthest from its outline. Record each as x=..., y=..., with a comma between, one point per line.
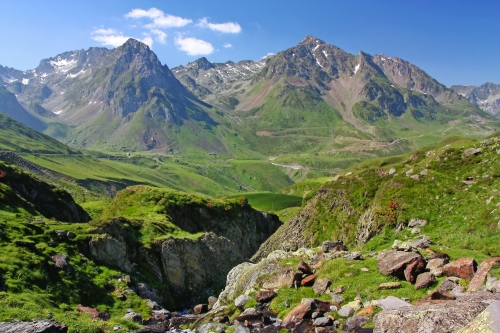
x=109, y=37
x=228, y=27
x=268, y=55
x=114, y=38
x=160, y=36
x=227, y=45
x=160, y=19
x=193, y=46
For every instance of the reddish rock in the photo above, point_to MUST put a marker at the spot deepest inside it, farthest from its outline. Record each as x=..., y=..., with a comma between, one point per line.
x=317, y=265
x=389, y=285
x=321, y=285
x=435, y=266
x=200, y=308
x=395, y=262
x=308, y=280
x=301, y=311
x=463, y=268
x=285, y=278
x=324, y=306
x=482, y=270
x=368, y=311
x=265, y=296
x=212, y=300
x=304, y=267
x=339, y=290
x=60, y=261
x=414, y=269
x=94, y=313
x=442, y=295
x=424, y=280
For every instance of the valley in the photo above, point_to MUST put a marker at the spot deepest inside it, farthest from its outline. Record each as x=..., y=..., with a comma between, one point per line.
x=235, y=196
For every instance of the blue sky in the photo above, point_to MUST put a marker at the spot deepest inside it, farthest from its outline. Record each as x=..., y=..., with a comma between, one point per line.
x=456, y=42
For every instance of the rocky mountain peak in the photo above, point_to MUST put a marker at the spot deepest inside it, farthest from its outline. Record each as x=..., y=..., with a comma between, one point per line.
x=201, y=63
x=311, y=41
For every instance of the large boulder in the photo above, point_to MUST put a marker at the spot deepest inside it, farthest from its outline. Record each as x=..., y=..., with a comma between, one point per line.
x=395, y=262
x=463, y=268
x=437, y=318
x=486, y=321
x=246, y=276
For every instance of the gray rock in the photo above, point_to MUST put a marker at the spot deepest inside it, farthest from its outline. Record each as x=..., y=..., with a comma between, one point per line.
x=424, y=280
x=345, y=311
x=241, y=300
x=211, y=327
x=391, y=302
x=337, y=298
x=416, y=222
x=416, y=230
x=472, y=152
x=437, y=318
x=435, y=266
x=395, y=262
x=36, y=326
x=240, y=328
x=329, y=246
x=354, y=256
x=322, y=321
x=146, y=292
x=60, y=261
x=392, y=171
x=153, y=305
x=355, y=323
x=110, y=251
x=133, y=316
x=486, y=321
x=321, y=285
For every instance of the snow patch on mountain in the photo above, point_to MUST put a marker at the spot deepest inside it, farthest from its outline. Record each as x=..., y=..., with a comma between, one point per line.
x=63, y=65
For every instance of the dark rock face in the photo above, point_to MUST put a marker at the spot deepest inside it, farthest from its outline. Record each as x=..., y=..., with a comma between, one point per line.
x=42, y=326
x=395, y=262
x=437, y=318
x=304, y=267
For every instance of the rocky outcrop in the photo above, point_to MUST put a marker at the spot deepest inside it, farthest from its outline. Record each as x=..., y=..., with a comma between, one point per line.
x=229, y=235
x=482, y=270
x=437, y=318
x=106, y=249
x=40, y=326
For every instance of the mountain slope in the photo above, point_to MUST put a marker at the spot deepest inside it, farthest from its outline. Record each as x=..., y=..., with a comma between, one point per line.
x=453, y=186
x=121, y=99
x=317, y=98
x=18, y=137
x=486, y=96
x=11, y=107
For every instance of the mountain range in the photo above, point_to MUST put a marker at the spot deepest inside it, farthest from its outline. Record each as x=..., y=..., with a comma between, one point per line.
x=485, y=96
x=313, y=98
